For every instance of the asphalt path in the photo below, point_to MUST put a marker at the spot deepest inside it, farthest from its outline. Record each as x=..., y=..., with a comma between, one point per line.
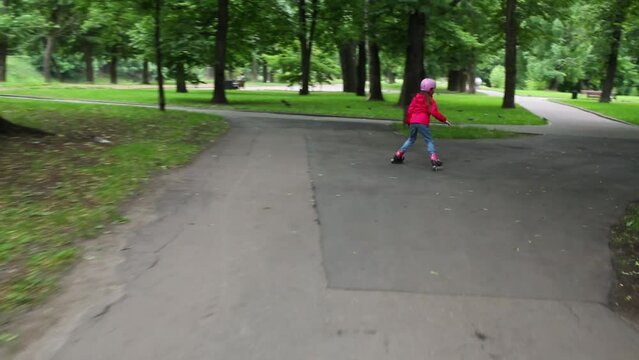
x=294, y=238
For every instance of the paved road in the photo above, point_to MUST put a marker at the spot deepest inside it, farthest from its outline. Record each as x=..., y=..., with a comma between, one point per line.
x=293, y=239
x=568, y=121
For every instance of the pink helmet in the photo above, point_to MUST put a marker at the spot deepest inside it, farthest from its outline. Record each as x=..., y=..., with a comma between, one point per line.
x=427, y=85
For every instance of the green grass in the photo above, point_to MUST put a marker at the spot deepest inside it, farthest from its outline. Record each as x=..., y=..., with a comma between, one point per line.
x=460, y=108
x=624, y=109
x=537, y=93
x=445, y=132
x=58, y=189
x=625, y=252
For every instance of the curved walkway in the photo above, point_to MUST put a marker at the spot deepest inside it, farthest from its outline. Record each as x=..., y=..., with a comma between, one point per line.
x=294, y=239
x=568, y=120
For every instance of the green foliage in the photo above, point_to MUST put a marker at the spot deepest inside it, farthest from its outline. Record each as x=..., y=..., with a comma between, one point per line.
x=498, y=77
x=20, y=71
x=288, y=68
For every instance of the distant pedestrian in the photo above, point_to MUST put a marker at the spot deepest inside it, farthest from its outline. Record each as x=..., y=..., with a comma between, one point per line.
x=417, y=118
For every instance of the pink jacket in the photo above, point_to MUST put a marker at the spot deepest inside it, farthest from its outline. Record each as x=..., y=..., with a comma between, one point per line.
x=419, y=114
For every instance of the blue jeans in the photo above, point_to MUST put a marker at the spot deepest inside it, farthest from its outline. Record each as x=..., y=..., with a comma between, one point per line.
x=425, y=131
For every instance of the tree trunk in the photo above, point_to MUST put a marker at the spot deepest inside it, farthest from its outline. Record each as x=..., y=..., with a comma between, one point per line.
x=88, y=62
x=375, y=67
x=453, y=80
x=4, y=50
x=462, y=79
x=511, y=55
x=611, y=66
x=361, y=68
x=348, y=65
x=48, y=54
x=472, y=87
x=180, y=78
x=306, y=42
x=219, y=94
x=414, y=67
x=146, y=79
x=254, y=66
x=113, y=69
x=10, y=129
x=265, y=72
x=391, y=77
x=375, y=76
x=158, y=54
x=306, y=71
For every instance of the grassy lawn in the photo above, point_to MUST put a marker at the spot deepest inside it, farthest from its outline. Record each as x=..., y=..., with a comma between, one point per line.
x=460, y=108
x=445, y=132
x=57, y=190
x=625, y=250
x=537, y=93
x=624, y=109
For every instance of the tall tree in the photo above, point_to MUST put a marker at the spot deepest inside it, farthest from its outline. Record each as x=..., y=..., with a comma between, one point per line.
x=4, y=45
x=361, y=68
x=375, y=73
x=59, y=18
x=414, y=65
x=348, y=65
x=342, y=19
x=619, y=9
x=306, y=35
x=511, y=55
x=157, y=15
x=375, y=68
x=219, y=94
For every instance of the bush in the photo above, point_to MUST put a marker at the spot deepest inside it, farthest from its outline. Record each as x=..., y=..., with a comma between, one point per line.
x=498, y=77
x=535, y=85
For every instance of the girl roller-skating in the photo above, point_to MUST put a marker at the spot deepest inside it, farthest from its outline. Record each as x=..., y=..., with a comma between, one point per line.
x=418, y=115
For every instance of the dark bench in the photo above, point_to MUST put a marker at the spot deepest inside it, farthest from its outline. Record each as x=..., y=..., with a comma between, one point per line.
x=234, y=84
x=231, y=85
x=591, y=93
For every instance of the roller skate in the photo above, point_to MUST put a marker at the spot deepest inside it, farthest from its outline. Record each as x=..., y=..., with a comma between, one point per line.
x=398, y=158
x=435, y=162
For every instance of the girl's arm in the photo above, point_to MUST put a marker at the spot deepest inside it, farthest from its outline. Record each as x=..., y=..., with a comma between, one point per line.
x=435, y=112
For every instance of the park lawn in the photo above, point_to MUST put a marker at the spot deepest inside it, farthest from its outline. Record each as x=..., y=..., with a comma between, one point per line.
x=445, y=132
x=625, y=109
x=460, y=108
x=536, y=93
x=57, y=190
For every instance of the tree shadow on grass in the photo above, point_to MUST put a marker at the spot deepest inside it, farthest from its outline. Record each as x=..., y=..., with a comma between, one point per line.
x=8, y=128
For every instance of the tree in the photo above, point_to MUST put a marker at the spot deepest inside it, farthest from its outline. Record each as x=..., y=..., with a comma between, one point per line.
x=361, y=68
x=375, y=69
x=511, y=55
x=306, y=35
x=58, y=19
x=219, y=95
x=619, y=9
x=158, y=52
x=414, y=64
x=4, y=43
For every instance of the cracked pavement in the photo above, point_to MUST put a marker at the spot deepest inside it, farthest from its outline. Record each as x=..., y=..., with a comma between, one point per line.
x=293, y=239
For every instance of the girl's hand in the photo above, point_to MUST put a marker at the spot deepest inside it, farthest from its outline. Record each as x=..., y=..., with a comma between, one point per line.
x=448, y=123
